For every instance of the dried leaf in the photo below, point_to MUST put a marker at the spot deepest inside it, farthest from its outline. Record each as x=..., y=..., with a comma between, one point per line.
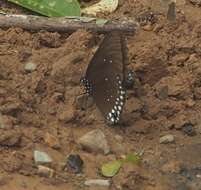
x=104, y=6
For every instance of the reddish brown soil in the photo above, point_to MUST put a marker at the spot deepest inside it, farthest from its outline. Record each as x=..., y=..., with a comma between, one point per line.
x=167, y=61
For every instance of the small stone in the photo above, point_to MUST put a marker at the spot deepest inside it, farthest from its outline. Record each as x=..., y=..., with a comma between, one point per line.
x=167, y=139
x=84, y=101
x=30, y=67
x=75, y=162
x=188, y=129
x=148, y=27
x=52, y=141
x=95, y=141
x=42, y=157
x=97, y=182
x=45, y=171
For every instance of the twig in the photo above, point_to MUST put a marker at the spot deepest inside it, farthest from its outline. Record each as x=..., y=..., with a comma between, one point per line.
x=64, y=24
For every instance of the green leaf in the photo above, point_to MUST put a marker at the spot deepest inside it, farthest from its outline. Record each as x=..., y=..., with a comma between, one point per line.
x=111, y=169
x=51, y=8
x=131, y=158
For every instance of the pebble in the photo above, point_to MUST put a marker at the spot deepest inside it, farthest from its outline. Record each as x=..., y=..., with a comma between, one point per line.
x=167, y=139
x=148, y=27
x=84, y=101
x=42, y=157
x=30, y=67
x=188, y=129
x=75, y=162
x=99, y=182
x=45, y=171
x=94, y=141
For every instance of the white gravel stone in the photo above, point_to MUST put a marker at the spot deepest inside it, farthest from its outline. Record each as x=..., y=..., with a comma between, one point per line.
x=167, y=139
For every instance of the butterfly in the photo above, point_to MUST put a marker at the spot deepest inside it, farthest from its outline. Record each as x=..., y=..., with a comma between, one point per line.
x=105, y=77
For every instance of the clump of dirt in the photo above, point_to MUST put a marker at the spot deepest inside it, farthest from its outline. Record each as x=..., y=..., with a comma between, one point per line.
x=40, y=103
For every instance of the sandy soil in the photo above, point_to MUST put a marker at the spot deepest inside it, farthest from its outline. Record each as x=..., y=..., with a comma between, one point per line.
x=167, y=60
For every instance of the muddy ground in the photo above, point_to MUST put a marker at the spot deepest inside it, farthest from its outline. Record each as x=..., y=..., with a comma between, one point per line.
x=43, y=102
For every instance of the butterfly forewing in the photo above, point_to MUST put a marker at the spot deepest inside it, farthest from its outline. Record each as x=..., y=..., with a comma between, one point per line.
x=105, y=75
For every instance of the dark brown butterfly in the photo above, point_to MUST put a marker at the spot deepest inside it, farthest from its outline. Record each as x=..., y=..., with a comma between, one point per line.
x=104, y=79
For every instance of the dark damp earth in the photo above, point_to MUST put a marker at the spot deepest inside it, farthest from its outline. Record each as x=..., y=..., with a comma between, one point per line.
x=40, y=105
